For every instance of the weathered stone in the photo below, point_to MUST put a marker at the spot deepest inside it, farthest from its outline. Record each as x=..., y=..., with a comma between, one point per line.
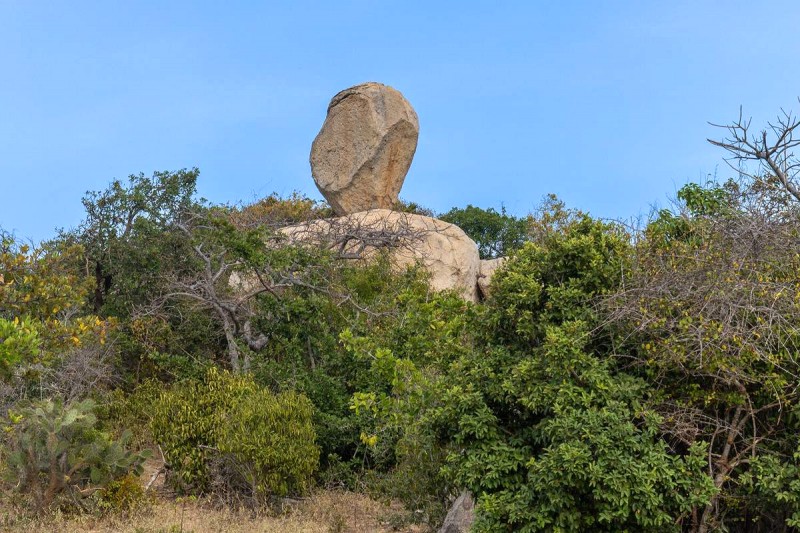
x=487, y=270
x=443, y=249
x=363, y=152
x=461, y=515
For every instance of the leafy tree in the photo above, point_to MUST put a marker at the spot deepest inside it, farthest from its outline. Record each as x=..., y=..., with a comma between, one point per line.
x=497, y=234
x=124, y=235
x=39, y=281
x=550, y=435
x=40, y=300
x=563, y=444
x=524, y=401
x=234, y=269
x=306, y=351
x=132, y=248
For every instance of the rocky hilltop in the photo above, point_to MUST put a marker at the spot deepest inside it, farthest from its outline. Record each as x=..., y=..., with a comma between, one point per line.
x=359, y=161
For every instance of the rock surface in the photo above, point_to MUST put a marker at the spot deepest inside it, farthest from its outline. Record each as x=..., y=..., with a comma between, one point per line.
x=487, y=270
x=461, y=515
x=363, y=152
x=443, y=249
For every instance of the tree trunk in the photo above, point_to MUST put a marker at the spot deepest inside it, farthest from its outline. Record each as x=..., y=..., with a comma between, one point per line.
x=233, y=349
x=724, y=469
x=708, y=512
x=99, y=284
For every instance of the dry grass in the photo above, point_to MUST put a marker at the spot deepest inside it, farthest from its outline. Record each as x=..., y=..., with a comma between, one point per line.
x=325, y=512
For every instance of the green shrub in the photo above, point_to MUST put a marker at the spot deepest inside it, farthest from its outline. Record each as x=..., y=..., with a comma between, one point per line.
x=119, y=410
x=186, y=420
x=544, y=427
x=124, y=494
x=55, y=450
x=305, y=352
x=19, y=340
x=272, y=439
x=228, y=426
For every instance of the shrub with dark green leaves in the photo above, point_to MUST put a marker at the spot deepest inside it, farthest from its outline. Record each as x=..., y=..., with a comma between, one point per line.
x=305, y=352
x=547, y=431
x=558, y=441
x=523, y=397
x=55, y=451
x=266, y=439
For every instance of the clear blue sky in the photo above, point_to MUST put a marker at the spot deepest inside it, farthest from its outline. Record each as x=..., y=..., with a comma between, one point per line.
x=603, y=103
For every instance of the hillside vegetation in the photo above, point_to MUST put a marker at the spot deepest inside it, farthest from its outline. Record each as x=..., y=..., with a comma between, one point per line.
x=618, y=378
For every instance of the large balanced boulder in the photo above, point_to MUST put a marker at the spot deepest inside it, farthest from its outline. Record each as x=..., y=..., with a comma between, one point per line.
x=448, y=254
x=363, y=152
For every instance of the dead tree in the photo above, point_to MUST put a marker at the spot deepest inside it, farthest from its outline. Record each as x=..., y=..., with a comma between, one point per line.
x=771, y=147
x=717, y=319
x=227, y=284
x=211, y=288
x=358, y=236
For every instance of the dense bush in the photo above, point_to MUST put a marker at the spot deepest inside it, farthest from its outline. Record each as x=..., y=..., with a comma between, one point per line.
x=306, y=352
x=268, y=438
x=709, y=316
x=186, y=420
x=405, y=361
x=122, y=495
x=19, y=341
x=48, y=347
x=521, y=399
x=55, y=451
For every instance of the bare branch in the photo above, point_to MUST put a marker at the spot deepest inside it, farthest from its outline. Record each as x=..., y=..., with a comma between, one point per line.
x=771, y=147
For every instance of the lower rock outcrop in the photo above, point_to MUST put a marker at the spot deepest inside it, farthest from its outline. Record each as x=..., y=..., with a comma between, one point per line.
x=442, y=248
x=461, y=515
x=487, y=270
